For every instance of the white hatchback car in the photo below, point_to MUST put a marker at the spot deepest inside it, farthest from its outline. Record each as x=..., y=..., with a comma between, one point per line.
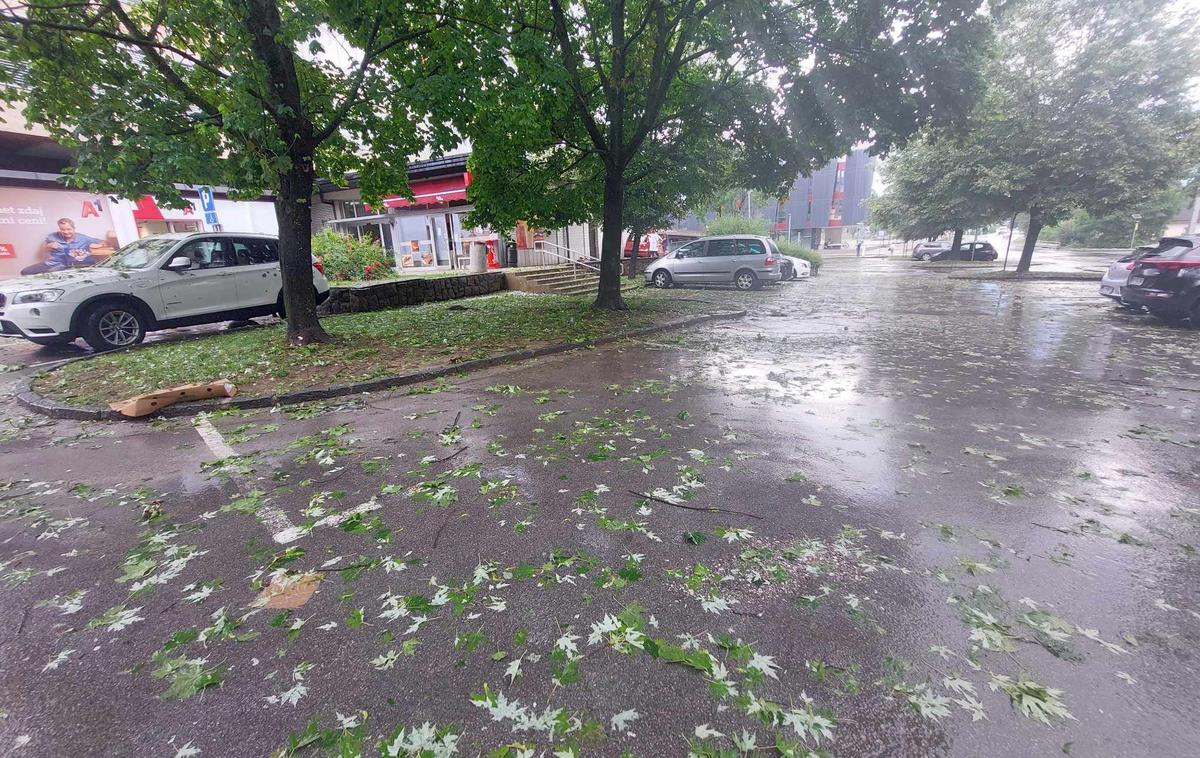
x=157, y=282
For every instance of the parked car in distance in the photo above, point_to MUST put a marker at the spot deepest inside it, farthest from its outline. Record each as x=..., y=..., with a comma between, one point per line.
x=1118, y=273
x=924, y=251
x=1167, y=281
x=791, y=268
x=967, y=251
x=745, y=261
x=157, y=282
x=836, y=245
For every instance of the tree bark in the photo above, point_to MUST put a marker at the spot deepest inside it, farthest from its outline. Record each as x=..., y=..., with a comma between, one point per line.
x=609, y=293
x=293, y=199
x=293, y=211
x=954, y=246
x=1031, y=237
x=636, y=240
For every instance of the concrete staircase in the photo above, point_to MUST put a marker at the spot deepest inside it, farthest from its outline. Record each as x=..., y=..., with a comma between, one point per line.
x=561, y=280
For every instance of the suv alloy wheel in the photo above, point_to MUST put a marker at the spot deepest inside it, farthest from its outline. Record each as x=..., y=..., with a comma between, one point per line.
x=112, y=325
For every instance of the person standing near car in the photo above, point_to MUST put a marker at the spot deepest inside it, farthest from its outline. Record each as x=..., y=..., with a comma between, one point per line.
x=67, y=249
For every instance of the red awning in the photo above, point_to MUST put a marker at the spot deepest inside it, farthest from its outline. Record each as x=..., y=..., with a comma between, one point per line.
x=429, y=192
x=147, y=210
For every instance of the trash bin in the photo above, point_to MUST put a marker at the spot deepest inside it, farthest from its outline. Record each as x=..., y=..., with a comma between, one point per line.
x=510, y=254
x=478, y=258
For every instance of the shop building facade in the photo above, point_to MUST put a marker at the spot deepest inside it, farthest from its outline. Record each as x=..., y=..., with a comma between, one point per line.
x=430, y=231
x=44, y=223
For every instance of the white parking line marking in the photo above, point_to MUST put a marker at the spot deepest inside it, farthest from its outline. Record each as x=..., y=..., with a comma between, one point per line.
x=275, y=519
x=216, y=443
x=294, y=533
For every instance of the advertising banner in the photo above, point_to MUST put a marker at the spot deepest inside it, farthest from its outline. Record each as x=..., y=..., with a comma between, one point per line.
x=52, y=230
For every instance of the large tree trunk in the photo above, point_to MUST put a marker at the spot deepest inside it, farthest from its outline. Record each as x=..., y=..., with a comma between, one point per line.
x=1031, y=237
x=609, y=293
x=957, y=244
x=293, y=201
x=293, y=211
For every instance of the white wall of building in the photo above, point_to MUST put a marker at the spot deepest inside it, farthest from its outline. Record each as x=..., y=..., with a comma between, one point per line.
x=235, y=216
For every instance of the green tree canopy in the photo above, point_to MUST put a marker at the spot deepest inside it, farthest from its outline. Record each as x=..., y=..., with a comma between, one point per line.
x=935, y=184
x=783, y=86
x=1087, y=106
x=252, y=94
x=1116, y=228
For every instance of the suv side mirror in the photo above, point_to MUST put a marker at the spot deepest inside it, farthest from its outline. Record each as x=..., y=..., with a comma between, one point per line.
x=179, y=263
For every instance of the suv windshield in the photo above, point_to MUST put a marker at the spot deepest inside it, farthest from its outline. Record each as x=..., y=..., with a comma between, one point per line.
x=139, y=254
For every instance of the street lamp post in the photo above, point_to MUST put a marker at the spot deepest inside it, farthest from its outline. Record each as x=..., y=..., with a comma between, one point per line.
x=1137, y=219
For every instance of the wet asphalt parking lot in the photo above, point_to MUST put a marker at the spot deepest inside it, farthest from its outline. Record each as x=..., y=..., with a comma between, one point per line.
x=952, y=518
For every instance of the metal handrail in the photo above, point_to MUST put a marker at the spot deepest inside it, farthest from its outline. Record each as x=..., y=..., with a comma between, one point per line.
x=542, y=246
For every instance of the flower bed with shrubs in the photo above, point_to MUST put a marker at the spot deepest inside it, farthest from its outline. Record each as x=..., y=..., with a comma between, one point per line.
x=347, y=259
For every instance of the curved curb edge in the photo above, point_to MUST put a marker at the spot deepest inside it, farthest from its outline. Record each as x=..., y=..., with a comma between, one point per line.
x=56, y=409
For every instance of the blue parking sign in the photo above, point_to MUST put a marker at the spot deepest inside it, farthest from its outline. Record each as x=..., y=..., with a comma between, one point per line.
x=209, y=206
x=206, y=201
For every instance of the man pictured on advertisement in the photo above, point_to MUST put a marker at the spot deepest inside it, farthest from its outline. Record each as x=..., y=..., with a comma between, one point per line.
x=66, y=248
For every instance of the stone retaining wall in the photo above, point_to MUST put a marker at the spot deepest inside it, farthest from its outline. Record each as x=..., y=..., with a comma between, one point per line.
x=383, y=295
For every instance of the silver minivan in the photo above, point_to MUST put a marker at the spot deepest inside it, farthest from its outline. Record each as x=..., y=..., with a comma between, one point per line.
x=744, y=261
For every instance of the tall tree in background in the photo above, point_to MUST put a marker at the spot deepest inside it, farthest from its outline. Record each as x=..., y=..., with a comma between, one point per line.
x=935, y=184
x=787, y=86
x=1087, y=107
x=241, y=93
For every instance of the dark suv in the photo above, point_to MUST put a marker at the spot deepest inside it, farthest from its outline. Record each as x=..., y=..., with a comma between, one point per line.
x=1167, y=281
x=967, y=251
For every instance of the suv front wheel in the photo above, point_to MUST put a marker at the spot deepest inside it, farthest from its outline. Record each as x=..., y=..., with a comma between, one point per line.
x=113, y=325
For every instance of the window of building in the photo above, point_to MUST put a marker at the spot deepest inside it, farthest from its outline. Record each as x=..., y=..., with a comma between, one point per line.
x=351, y=209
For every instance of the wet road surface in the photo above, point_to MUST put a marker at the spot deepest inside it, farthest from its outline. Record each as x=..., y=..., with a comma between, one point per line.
x=947, y=512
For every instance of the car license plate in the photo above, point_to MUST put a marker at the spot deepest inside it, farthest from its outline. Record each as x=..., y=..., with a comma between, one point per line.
x=1137, y=281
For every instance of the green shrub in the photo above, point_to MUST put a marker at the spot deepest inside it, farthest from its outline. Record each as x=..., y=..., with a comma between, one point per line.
x=347, y=259
x=734, y=224
x=796, y=250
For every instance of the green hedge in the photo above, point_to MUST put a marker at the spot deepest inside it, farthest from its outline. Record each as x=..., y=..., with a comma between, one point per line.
x=796, y=250
x=734, y=224
x=347, y=259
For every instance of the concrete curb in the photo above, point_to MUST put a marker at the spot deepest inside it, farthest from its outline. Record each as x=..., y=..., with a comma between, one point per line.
x=56, y=409
x=1035, y=276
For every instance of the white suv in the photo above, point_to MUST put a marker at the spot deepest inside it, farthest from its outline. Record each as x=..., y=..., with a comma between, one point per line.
x=155, y=283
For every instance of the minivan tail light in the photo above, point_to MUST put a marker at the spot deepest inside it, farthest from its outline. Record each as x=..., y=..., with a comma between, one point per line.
x=319, y=266
x=770, y=261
